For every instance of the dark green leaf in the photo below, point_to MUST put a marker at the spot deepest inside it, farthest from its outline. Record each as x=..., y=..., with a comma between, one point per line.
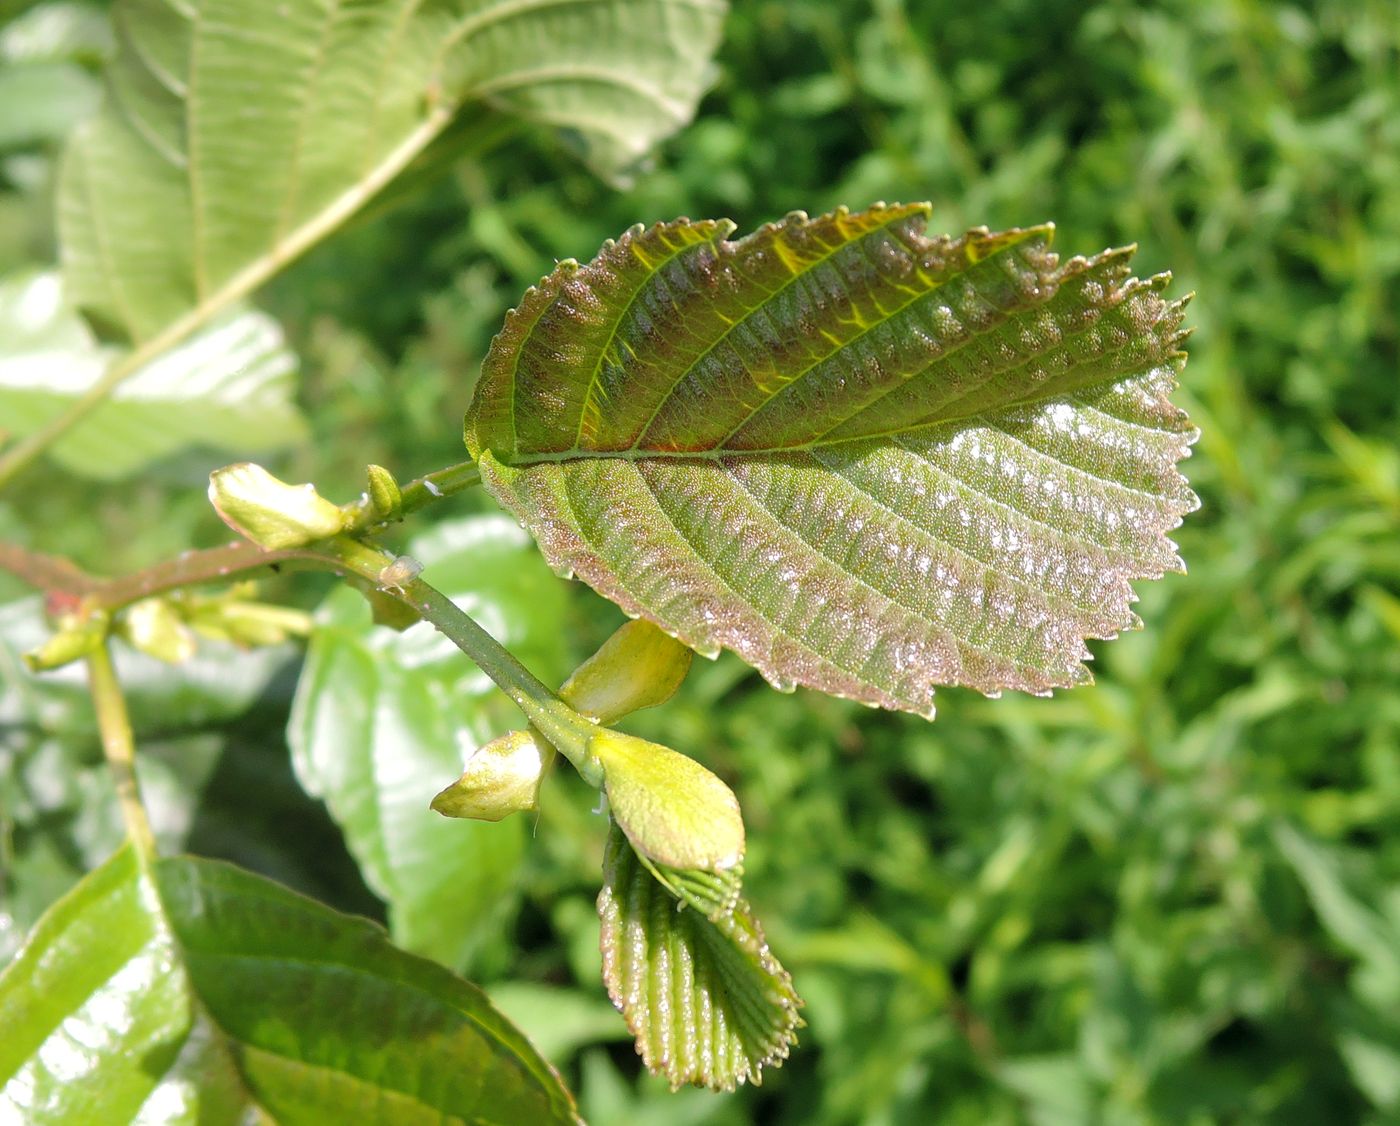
x=866, y=460
x=198, y=992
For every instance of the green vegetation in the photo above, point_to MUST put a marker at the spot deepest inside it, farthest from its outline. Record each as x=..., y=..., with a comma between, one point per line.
x=1170, y=897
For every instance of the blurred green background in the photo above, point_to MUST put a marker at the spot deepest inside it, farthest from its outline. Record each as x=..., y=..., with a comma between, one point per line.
x=1172, y=897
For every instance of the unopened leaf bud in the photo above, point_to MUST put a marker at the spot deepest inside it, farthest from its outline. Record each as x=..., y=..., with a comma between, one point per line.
x=384, y=495
x=77, y=636
x=639, y=666
x=673, y=810
x=501, y=778
x=272, y=513
x=154, y=627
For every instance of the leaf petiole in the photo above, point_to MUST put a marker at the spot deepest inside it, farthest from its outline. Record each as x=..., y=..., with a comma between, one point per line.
x=561, y=725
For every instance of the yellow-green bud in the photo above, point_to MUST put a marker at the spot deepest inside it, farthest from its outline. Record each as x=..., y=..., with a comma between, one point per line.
x=638, y=667
x=75, y=638
x=272, y=513
x=673, y=810
x=501, y=778
x=384, y=496
x=153, y=626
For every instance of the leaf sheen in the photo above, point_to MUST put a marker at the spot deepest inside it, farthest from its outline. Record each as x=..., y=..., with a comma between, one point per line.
x=193, y=991
x=700, y=990
x=867, y=460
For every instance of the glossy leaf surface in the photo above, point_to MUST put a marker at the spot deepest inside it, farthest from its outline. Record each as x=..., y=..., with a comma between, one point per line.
x=703, y=994
x=383, y=720
x=867, y=460
x=239, y=132
x=199, y=992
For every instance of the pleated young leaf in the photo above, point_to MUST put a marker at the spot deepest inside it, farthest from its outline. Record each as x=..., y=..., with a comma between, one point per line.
x=239, y=132
x=867, y=460
x=701, y=991
x=194, y=991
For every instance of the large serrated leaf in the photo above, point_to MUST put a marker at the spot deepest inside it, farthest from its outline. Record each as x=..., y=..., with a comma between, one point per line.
x=866, y=460
x=702, y=993
x=239, y=132
x=197, y=992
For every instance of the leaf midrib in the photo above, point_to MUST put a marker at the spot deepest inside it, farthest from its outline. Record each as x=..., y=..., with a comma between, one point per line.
x=645, y=428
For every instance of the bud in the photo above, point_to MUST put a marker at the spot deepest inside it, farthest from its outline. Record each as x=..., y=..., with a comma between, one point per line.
x=77, y=636
x=272, y=513
x=153, y=626
x=501, y=778
x=249, y=623
x=673, y=810
x=386, y=501
x=638, y=667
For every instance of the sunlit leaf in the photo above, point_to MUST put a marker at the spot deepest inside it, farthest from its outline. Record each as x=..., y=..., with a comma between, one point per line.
x=703, y=994
x=198, y=992
x=239, y=132
x=866, y=460
x=230, y=386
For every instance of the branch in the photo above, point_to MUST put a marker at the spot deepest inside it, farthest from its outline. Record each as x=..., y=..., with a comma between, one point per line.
x=55, y=575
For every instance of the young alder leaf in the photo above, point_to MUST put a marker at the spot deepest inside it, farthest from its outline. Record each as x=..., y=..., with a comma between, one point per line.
x=867, y=460
x=270, y=512
x=199, y=992
x=638, y=667
x=500, y=778
x=239, y=132
x=704, y=996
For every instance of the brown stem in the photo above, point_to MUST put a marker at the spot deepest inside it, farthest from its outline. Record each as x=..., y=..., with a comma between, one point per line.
x=50, y=573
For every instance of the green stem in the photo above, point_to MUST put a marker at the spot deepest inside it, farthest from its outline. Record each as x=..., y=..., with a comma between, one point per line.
x=568, y=731
x=416, y=494
x=119, y=748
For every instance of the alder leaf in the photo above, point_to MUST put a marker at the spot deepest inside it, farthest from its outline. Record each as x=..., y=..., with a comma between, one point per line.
x=867, y=460
x=237, y=133
x=701, y=991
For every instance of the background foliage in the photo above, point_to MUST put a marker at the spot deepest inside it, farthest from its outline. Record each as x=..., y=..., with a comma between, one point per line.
x=1171, y=897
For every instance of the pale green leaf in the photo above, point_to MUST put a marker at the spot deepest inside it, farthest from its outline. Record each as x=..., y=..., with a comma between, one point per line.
x=239, y=132
x=866, y=460
x=705, y=998
x=230, y=386
x=195, y=992
x=383, y=720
